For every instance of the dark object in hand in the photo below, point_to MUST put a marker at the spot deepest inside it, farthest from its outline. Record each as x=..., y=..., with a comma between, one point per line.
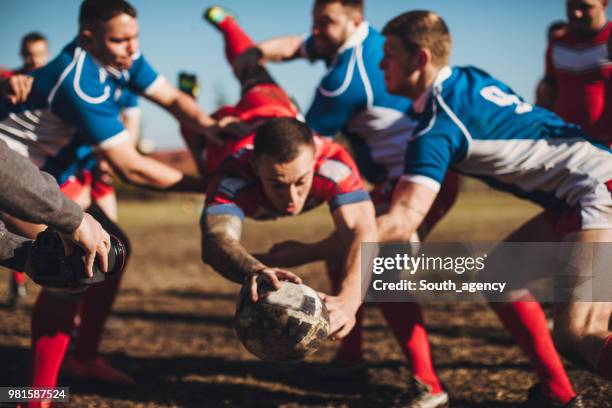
x=49, y=266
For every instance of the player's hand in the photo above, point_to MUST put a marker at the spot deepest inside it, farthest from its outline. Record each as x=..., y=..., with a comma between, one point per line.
x=93, y=239
x=17, y=88
x=341, y=315
x=273, y=276
x=229, y=127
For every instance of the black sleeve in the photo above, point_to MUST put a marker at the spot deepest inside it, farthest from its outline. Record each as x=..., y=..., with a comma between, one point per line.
x=33, y=196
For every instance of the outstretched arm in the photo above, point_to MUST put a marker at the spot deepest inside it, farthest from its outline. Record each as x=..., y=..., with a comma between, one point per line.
x=281, y=48
x=355, y=224
x=185, y=109
x=146, y=172
x=221, y=249
x=410, y=203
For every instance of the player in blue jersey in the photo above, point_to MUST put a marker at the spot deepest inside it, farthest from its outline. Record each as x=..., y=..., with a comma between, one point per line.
x=476, y=125
x=75, y=102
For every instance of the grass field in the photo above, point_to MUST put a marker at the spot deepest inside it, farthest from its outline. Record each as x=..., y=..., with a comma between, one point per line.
x=172, y=328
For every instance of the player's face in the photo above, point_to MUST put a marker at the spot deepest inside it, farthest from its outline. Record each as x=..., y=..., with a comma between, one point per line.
x=586, y=16
x=115, y=42
x=332, y=25
x=399, y=68
x=287, y=185
x=35, y=55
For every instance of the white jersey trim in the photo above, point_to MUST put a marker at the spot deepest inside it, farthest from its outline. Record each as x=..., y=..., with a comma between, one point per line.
x=155, y=85
x=421, y=180
x=113, y=141
x=443, y=75
x=94, y=100
x=364, y=76
x=357, y=38
x=131, y=111
x=579, y=60
x=65, y=73
x=345, y=83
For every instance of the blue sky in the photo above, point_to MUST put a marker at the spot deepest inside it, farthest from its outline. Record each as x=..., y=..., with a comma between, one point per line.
x=506, y=38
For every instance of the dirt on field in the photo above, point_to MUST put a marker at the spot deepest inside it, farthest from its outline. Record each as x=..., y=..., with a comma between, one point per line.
x=172, y=328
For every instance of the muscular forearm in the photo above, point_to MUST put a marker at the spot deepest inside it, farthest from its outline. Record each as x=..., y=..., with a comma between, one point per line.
x=350, y=288
x=150, y=173
x=187, y=112
x=281, y=49
x=228, y=257
x=33, y=196
x=396, y=227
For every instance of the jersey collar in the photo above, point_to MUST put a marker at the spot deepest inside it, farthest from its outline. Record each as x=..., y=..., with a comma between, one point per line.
x=356, y=38
x=443, y=75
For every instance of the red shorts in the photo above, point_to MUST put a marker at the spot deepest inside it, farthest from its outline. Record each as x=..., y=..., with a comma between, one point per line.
x=76, y=184
x=593, y=212
x=382, y=193
x=101, y=185
x=260, y=103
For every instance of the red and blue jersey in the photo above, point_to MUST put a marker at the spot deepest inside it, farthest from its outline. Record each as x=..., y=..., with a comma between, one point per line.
x=236, y=189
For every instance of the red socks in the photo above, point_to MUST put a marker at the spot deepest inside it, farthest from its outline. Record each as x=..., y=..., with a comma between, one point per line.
x=18, y=277
x=52, y=321
x=95, y=308
x=236, y=40
x=526, y=321
x=406, y=321
x=604, y=365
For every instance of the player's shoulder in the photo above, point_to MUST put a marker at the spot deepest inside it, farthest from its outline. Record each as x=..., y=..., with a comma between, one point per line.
x=79, y=78
x=570, y=39
x=463, y=85
x=333, y=163
x=344, y=66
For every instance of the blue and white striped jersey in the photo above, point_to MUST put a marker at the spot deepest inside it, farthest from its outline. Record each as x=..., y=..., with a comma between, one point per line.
x=352, y=98
x=75, y=101
x=129, y=106
x=477, y=126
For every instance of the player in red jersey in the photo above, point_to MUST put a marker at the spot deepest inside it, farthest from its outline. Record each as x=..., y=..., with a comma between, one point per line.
x=288, y=171
x=578, y=70
x=261, y=100
x=282, y=172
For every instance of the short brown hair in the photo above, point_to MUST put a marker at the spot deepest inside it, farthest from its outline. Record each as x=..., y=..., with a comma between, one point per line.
x=30, y=38
x=281, y=139
x=100, y=11
x=422, y=29
x=355, y=4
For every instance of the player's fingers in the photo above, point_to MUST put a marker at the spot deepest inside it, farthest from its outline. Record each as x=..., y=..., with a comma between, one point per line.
x=273, y=279
x=90, y=257
x=323, y=296
x=103, y=254
x=289, y=276
x=253, y=288
x=344, y=331
x=337, y=321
